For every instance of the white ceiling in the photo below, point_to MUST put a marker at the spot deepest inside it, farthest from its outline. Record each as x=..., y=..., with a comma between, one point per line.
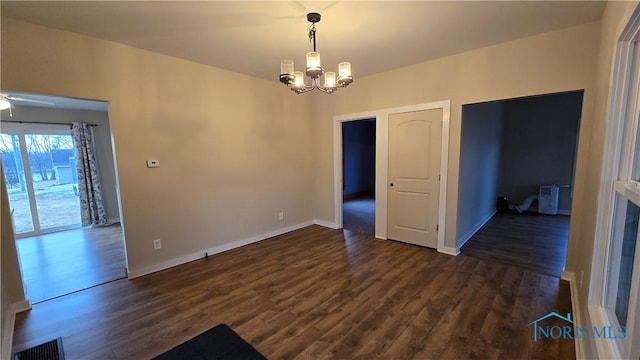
x=252, y=37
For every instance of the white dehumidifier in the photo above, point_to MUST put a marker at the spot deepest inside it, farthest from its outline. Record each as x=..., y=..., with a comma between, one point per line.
x=548, y=200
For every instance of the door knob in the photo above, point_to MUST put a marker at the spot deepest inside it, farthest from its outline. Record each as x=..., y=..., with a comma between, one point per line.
x=391, y=184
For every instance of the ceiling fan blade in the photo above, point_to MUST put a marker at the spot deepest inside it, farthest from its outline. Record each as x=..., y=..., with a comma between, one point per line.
x=29, y=100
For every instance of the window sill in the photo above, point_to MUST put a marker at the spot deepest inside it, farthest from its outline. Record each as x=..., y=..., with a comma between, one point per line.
x=600, y=317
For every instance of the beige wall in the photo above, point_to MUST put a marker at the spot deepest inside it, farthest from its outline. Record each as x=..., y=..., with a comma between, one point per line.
x=234, y=150
x=552, y=62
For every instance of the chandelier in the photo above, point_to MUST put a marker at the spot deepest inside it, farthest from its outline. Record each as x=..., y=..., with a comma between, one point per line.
x=295, y=79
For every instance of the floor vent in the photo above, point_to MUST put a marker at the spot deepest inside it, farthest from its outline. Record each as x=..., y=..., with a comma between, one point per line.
x=51, y=350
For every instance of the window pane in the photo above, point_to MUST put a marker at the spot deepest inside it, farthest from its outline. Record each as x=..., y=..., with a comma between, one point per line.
x=53, y=169
x=15, y=180
x=629, y=234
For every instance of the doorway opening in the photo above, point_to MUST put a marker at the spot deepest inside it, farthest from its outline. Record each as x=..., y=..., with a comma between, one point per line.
x=359, y=175
x=517, y=167
x=57, y=254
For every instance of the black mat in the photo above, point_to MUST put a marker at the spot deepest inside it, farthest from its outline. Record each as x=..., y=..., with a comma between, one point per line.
x=218, y=343
x=51, y=350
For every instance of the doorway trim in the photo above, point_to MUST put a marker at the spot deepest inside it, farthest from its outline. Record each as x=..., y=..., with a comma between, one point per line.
x=381, y=117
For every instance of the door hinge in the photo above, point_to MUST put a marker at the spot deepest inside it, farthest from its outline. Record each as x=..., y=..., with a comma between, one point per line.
x=437, y=227
x=438, y=177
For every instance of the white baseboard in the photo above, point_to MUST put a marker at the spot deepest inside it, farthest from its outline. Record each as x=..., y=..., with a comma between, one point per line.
x=449, y=251
x=328, y=224
x=575, y=308
x=214, y=250
x=8, y=326
x=474, y=230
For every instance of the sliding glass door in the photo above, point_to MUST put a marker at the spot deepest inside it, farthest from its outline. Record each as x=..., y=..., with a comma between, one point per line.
x=17, y=187
x=40, y=172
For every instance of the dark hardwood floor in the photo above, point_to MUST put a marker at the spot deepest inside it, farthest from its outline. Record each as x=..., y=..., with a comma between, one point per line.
x=531, y=241
x=63, y=262
x=314, y=293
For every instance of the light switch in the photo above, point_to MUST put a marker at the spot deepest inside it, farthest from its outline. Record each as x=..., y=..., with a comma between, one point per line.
x=153, y=163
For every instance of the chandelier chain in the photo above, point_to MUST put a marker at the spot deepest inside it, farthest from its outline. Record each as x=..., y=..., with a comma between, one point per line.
x=312, y=35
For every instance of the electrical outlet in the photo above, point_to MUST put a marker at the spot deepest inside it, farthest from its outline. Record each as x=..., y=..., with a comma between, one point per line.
x=157, y=244
x=281, y=216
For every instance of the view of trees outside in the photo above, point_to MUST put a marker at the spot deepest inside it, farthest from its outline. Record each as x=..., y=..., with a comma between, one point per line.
x=39, y=148
x=53, y=170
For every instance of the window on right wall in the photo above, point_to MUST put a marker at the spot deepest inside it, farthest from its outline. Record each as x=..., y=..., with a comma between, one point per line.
x=615, y=303
x=622, y=255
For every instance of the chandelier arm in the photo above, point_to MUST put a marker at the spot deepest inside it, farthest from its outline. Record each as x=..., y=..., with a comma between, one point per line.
x=328, y=90
x=301, y=90
x=304, y=88
x=315, y=84
x=325, y=89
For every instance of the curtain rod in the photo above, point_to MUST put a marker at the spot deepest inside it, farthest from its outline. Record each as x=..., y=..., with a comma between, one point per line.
x=37, y=122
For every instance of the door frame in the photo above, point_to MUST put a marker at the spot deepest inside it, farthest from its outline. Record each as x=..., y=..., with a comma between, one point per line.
x=382, y=163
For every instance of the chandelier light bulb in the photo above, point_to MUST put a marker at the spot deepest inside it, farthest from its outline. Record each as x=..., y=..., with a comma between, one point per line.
x=313, y=60
x=330, y=79
x=314, y=69
x=299, y=79
x=344, y=68
x=345, y=78
x=286, y=67
x=286, y=72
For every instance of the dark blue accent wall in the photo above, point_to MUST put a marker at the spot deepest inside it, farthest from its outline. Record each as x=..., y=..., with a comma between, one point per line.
x=539, y=139
x=359, y=156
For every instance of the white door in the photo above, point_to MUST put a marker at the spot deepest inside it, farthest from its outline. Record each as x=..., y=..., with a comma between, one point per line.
x=414, y=172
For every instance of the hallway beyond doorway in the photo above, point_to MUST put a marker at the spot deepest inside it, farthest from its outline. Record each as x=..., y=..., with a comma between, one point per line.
x=358, y=215
x=60, y=263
